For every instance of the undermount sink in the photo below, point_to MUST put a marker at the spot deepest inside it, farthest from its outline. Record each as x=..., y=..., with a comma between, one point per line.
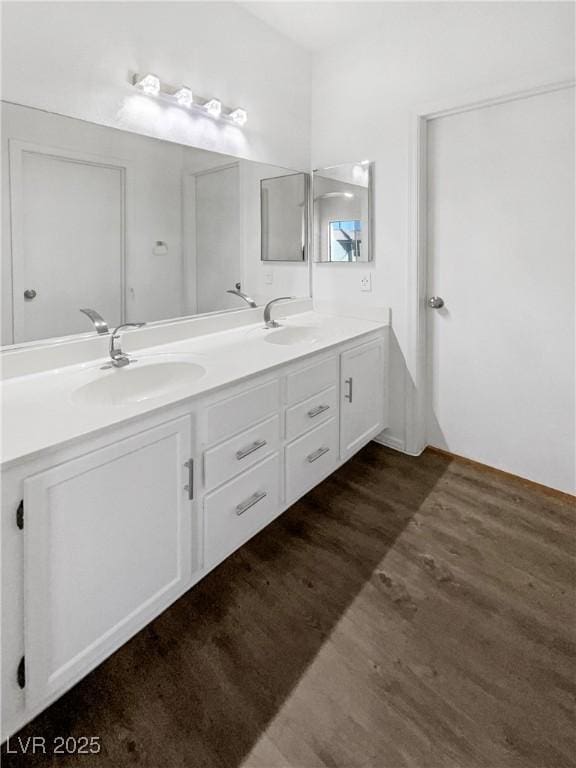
x=141, y=380
x=294, y=334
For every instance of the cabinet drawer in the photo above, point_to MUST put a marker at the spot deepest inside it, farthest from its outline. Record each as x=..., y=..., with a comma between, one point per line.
x=311, y=380
x=311, y=413
x=241, y=411
x=239, y=509
x=241, y=452
x=310, y=458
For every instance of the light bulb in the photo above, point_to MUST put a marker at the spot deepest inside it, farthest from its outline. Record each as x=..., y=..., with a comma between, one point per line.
x=184, y=97
x=239, y=116
x=148, y=84
x=214, y=107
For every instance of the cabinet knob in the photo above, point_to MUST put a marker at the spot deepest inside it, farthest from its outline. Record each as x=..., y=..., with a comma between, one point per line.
x=30, y=294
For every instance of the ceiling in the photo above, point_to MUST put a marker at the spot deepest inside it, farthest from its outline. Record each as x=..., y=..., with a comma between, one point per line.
x=318, y=26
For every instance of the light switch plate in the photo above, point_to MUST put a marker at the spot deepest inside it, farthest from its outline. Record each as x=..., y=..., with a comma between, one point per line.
x=366, y=282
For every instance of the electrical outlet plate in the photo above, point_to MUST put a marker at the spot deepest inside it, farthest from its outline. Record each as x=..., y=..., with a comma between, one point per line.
x=268, y=278
x=366, y=282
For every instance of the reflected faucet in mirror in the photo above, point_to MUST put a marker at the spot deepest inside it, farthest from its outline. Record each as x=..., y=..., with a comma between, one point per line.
x=119, y=359
x=100, y=324
x=237, y=292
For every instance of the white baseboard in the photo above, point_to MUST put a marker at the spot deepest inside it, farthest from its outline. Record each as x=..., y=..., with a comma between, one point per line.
x=390, y=441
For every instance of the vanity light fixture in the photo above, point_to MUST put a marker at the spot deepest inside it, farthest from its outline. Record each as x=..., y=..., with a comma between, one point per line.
x=214, y=107
x=151, y=85
x=184, y=97
x=148, y=84
x=238, y=116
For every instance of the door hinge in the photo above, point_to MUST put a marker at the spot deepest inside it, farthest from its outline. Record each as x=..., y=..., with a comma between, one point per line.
x=20, y=515
x=21, y=673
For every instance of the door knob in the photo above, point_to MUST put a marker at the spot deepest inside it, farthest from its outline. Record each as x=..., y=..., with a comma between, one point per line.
x=436, y=302
x=30, y=294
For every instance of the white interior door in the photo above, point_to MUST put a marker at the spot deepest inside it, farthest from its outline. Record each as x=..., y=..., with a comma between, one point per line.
x=218, y=252
x=68, y=245
x=501, y=256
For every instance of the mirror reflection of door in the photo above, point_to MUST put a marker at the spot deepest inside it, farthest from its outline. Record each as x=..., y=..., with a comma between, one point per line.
x=217, y=245
x=283, y=217
x=68, y=240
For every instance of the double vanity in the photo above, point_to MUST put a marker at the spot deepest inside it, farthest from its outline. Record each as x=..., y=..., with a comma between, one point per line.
x=124, y=486
x=136, y=460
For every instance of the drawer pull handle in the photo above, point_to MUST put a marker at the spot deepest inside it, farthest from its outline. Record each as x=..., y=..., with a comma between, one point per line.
x=315, y=455
x=256, y=445
x=317, y=410
x=348, y=395
x=254, y=499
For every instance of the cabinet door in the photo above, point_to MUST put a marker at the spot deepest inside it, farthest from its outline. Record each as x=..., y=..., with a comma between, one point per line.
x=362, y=396
x=107, y=547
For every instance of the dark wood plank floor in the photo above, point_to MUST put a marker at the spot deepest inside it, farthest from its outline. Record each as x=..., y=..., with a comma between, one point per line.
x=407, y=612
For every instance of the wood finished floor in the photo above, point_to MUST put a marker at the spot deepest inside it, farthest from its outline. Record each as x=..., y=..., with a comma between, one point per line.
x=407, y=612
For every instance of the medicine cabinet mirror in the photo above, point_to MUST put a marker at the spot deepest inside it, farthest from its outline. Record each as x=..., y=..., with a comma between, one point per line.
x=342, y=213
x=137, y=228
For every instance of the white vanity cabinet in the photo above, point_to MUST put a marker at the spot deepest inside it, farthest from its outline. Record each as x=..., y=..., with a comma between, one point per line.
x=101, y=534
x=362, y=396
x=242, y=471
x=107, y=546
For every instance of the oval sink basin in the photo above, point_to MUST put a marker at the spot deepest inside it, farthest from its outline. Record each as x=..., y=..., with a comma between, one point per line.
x=139, y=381
x=294, y=334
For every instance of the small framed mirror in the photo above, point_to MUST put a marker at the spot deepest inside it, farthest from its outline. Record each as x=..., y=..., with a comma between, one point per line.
x=284, y=217
x=342, y=213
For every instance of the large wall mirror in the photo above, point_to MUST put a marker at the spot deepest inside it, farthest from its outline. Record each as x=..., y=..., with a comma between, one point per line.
x=342, y=213
x=136, y=228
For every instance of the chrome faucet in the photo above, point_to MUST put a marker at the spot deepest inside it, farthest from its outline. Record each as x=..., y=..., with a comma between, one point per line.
x=119, y=359
x=268, y=322
x=237, y=292
x=100, y=324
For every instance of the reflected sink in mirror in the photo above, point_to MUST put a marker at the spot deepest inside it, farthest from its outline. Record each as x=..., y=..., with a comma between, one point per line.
x=142, y=380
x=294, y=334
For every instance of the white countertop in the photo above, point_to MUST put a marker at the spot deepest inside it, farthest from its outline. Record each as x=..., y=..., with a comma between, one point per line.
x=43, y=410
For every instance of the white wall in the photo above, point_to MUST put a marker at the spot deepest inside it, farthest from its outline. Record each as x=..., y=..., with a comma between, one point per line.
x=363, y=104
x=76, y=58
